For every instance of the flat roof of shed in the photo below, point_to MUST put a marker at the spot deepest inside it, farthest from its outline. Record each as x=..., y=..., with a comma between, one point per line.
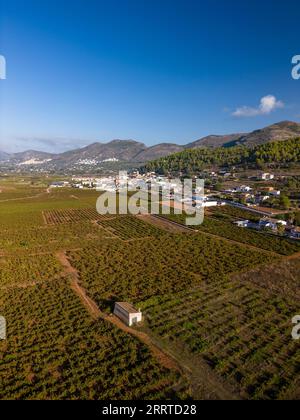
x=128, y=307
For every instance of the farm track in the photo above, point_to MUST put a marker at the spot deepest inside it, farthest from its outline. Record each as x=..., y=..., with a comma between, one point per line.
x=20, y=286
x=72, y=215
x=198, y=372
x=165, y=223
x=33, y=254
x=29, y=284
x=293, y=257
x=204, y=382
x=250, y=247
x=8, y=200
x=162, y=356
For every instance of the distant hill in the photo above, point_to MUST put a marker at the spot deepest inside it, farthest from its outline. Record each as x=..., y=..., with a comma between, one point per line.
x=155, y=152
x=30, y=155
x=281, y=131
x=214, y=141
x=192, y=161
x=94, y=155
x=121, y=150
x=130, y=152
x=3, y=156
x=277, y=132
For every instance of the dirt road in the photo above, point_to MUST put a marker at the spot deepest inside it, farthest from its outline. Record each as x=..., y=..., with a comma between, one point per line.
x=293, y=257
x=174, y=227
x=165, y=359
x=27, y=197
x=165, y=224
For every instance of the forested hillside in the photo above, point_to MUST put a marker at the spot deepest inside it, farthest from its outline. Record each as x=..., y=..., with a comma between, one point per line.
x=278, y=153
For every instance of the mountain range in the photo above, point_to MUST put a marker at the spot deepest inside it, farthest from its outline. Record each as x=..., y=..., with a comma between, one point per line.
x=135, y=152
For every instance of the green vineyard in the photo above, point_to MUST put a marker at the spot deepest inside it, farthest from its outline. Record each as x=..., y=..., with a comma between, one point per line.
x=229, y=231
x=207, y=296
x=54, y=351
x=241, y=331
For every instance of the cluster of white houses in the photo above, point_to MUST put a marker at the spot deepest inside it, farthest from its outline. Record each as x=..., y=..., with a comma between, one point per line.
x=272, y=225
x=254, y=198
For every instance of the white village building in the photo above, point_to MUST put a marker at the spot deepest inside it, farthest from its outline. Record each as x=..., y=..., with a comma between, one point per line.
x=267, y=176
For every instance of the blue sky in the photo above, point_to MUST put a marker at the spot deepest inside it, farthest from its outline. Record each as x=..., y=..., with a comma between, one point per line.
x=156, y=71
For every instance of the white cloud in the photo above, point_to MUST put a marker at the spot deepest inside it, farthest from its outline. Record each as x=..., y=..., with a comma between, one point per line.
x=267, y=105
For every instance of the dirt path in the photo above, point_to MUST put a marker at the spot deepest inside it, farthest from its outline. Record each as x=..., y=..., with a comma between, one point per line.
x=27, y=197
x=174, y=227
x=75, y=285
x=165, y=359
x=250, y=247
x=293, y=257
x=165, y=224
x=203, y=381
x=20, y=286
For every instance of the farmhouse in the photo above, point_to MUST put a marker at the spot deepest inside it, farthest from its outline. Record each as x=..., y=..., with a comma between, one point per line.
x=267, y=189
x=242, y=223
x=275, y=193
x=267, y=176
x=59, y=184
x=210, y=204
x=271, y=223
x=295, y=233
x=127, y=313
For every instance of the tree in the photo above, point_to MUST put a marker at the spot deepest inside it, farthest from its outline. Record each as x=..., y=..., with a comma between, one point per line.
x=297, y=218
x=285, y=202
x=280, y=228
x=219, y=186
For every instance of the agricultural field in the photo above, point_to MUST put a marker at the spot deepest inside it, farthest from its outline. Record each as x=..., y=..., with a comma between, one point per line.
x=234, y=213
x=33, y=239
x=210, y=302
x=128, y=227
x=228, y=230
x=241, y=331
x=25, y=271
x=60, y=217
x=55, y=351
x=12, y=189
x=169, y=263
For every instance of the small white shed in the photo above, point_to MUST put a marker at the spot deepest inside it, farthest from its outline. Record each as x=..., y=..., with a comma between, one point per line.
x=128, y=313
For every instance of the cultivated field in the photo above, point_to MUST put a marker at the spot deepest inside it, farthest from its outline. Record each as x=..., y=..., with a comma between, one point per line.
x=55, y=351
x=218, y=305
x=241, y=331
x=226, y=229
